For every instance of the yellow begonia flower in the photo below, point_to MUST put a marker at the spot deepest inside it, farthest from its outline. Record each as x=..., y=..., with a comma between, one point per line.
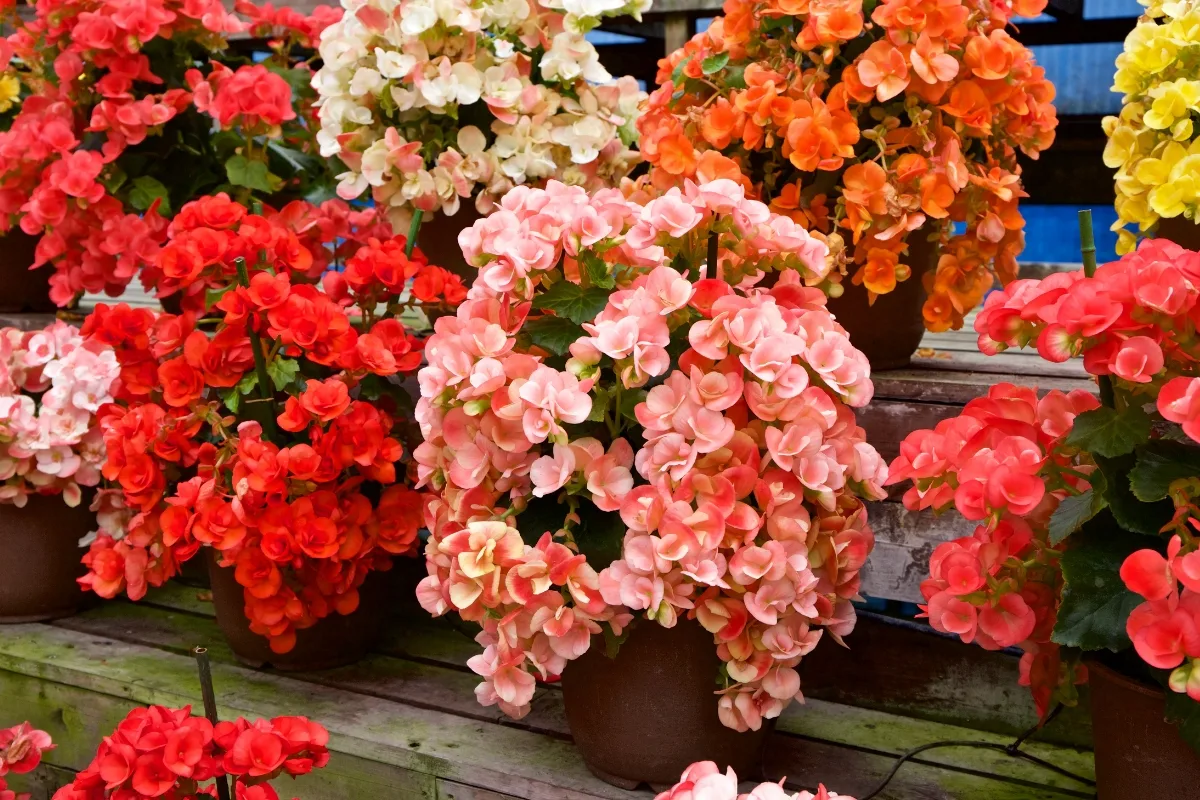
x=10, y=92
x=1172, y=101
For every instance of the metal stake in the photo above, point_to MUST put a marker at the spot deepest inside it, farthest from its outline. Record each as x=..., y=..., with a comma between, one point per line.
x=1087, y=247
x=210, y=705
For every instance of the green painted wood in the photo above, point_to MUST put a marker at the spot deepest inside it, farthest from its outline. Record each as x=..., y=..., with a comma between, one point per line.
x=440, y=687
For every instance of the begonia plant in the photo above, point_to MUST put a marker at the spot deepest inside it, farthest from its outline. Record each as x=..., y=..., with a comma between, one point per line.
x=705, y=781
x=645, y=409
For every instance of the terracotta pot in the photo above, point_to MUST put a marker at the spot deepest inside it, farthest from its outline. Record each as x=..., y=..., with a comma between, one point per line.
x=890, y=331
x=438, y=240
x=1181, y=231
x=335, y=641
x=644, y=716
x=20, y=289
x=40, y=558
x=1138, y=753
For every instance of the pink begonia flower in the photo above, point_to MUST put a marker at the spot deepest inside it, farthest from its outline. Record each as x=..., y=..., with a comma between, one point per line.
x=550, y=473
x=1139, y=359
x=1179, y=401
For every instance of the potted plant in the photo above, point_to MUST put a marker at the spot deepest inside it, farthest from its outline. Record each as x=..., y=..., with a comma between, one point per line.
x=435, y=107
x=130, y=116
x=271, y=439
x=166, y=752
x=1152, y=143
x=705, y=781
x=645, y=410
x=878, y=130
x=1087, y=509
x=52, y=386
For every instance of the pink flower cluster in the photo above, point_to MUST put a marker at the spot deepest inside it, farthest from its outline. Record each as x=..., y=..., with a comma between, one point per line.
x=252, y=98
x=733, y=482
x=1135, y=320
x=1003, y=462
x=51, y=444
x=705, y=781
x=1165, y=630
x=21, y=748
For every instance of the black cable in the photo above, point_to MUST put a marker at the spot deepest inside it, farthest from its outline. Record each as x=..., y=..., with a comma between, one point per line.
x=1013, y=750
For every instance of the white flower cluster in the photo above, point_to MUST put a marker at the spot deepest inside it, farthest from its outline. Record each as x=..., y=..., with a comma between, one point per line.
x=429, y=102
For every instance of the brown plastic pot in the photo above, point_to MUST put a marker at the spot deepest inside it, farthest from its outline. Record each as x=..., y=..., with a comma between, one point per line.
x=438, y=240
x=644, y=716
x=1138, y=753
x=1180, y=230
x=889, y=331
x=22, y=290
x=40, y=558
x=335, y=641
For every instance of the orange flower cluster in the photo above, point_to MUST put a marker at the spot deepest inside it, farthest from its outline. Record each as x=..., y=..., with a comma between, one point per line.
x=276, y=438
x=868, y=130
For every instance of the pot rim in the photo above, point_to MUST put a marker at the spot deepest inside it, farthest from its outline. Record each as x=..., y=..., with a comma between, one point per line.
x=1112, y=676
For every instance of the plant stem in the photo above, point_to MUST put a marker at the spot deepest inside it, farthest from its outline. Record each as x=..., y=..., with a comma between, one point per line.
x=1087, y=247
x=260, y=363
x=413, y=228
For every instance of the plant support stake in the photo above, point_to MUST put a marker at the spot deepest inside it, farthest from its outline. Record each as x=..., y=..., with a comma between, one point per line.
x=1087, y=248
x=413, y=228
x=265, y=385
x=210, y=705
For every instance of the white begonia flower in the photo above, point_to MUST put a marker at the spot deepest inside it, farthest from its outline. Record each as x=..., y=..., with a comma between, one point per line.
x=458, y=14
x=572, y=57
x=351, y=185
x=393, y=65
x=417, y=16
x=503, y=48
x=366, y=81
x=586, y=137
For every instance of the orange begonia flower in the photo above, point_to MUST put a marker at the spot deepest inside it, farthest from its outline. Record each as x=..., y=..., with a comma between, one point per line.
x=969, y=104
x=991, y=57
x=931, y=62
x=884, y=68
x=820, y=137
x=878, y=275
x=719, y=123
x=713, y=165
x=863, y=191
x=676, y=155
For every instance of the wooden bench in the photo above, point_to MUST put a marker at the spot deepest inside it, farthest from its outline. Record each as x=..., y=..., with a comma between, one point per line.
x=405, y=722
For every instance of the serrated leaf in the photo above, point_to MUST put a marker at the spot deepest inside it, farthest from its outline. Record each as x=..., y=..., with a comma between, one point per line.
x=735, y=77
x=287, y=161
x=553, y=334
x=1159, y=465
x=1095, y=603
x=597, y=270
x=232, y=400
x=570, y=300
x=1129, y=512
x=1073, y=512
x=714, y=63
x=629, y=401
x=677, y=73
x=282, y=372
x=1110, y=433
x=252, y=174
x=600, y=403
x=145, y=190
x=613, y=642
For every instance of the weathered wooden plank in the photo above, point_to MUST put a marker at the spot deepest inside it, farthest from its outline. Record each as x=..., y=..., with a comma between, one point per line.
x=957, y=387
x=528, y=765
x=457, y=791
x=904, y=541
x=425, y=686
x=887, y=422
x=1034, y=369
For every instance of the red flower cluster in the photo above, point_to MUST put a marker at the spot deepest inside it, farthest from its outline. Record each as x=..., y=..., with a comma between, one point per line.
x=98, y=209
x=168, y=753
x=267, y=463
x=21, y=749
x=1004, y=462
x=1165, y=630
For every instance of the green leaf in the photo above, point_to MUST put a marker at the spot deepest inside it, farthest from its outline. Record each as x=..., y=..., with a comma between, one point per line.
x=1095, y=603
x=677, y=73
x=251, y=174
x=145, y=190
x=289, y=162
x=1073, y=512
x=600, y=403
x=629, y=402
x=232, y=400
x=298, y=78
x=599, y=535
x=597, y=270
x=1159, y=465
x=247, y=384
x=1106, y=432
x=714, y=63
x=553, y=334
x=572, y=301
x=213, y=296
x=735, y=77
x=283, y=371
x=1184, y=712
x=1129, y=512
x=612, y=642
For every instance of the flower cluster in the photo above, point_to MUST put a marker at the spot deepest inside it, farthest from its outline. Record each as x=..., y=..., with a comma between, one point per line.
x=164, y=752
x=21, y=748
x=920, y=128
x=1153, y=144
x=694, y=456
x=272, y=439
x=1165, y=630
x=52, y=384
x=118, y=129
x=1133, y=322
x=401, y=80
x=704, y=781
x=1004, y=462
